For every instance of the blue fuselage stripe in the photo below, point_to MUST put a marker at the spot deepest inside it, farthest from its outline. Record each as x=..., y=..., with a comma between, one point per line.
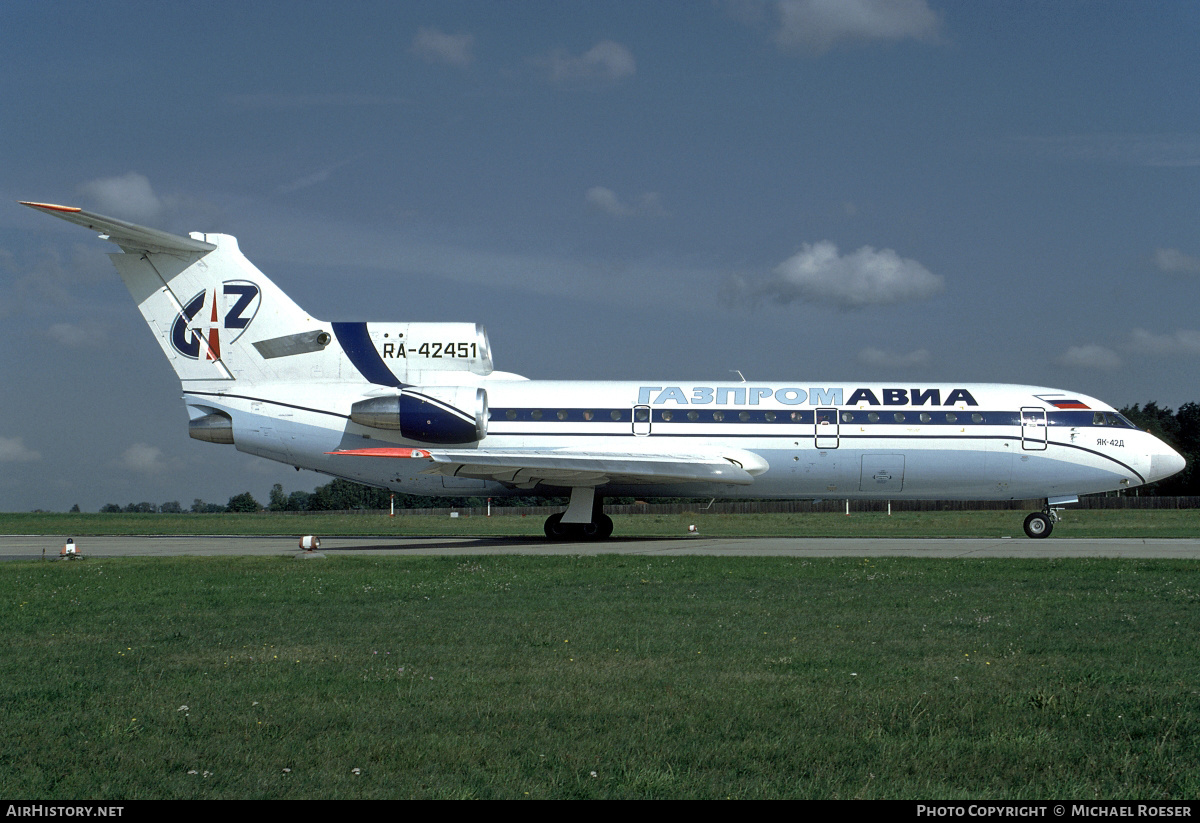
x=356, y=343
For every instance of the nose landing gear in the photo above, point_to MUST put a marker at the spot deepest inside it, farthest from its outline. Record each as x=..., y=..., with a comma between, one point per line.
x=1040, y=524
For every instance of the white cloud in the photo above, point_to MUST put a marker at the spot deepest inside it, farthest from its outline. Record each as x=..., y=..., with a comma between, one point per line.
x=435, y=46
x=1176, y=262
x=1155, y=150
x=280, y=101
x=313, y=179
x=76, y=335
x=1089, y=357
x=129, y=197
x=1183, y=341
x=143, y=459
x=894, y=360
x=816, y=26
x=13, y=450
x=607, y=201
x=606, y=62
x=817, y=274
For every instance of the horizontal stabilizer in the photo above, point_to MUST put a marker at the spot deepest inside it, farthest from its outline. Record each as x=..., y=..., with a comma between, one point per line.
x=125, y=235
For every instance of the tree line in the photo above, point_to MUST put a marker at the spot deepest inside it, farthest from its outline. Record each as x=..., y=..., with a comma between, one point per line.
x=337, y=495
x=1180, y=429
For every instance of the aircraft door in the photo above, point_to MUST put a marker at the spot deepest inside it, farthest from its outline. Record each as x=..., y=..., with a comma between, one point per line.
x=882, y=473
x=641, y=421
x=825, y=430
x=1033, y=428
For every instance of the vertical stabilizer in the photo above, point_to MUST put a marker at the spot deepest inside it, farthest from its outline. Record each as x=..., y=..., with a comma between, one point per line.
x=208, y=311
x=215, y=315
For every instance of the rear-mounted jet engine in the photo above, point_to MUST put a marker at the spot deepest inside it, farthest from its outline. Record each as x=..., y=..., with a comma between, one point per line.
x=438, y=414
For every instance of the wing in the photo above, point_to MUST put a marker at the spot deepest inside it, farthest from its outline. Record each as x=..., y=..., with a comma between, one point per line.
x=526, y=468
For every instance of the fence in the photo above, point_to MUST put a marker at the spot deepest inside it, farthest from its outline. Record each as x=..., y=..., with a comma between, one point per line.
x=795, y=507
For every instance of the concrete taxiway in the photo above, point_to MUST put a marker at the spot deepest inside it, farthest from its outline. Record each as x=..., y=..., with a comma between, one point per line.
x=30, y=547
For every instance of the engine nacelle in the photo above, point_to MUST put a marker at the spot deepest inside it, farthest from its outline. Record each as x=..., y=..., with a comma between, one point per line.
x=414, y=353
x=437, y=414
x=215, y=427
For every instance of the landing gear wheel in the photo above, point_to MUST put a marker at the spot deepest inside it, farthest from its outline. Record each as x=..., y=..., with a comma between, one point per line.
x=1038, y=525
x=554, y=528
x=598, y=529
x=606, y=526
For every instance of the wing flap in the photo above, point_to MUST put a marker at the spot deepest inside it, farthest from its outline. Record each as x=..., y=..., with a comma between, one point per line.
x=125, y=235
x=569, y=468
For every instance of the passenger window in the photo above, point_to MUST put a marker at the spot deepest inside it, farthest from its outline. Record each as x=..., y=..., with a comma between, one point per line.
x=847, y=417
x=744, y=416
x=693, y=415
x=615, y=414
x=925, y=417
x=899, y=417
x=562, y=415
x=666, y=416
x=770, y=417
x=641, y=415
x=536, y=414
x=951, y=417
x=976, y=418
x=873, y=417
x=718, y=416
x=511, y=414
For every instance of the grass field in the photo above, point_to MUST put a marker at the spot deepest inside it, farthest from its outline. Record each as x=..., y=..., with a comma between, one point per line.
x=605, y=677
x=1075, y=523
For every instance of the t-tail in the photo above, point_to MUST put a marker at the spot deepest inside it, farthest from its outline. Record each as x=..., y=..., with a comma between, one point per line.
x=215, y=315
x=231, y=332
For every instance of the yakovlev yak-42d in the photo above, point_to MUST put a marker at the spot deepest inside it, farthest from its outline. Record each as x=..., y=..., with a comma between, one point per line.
x=418, y=408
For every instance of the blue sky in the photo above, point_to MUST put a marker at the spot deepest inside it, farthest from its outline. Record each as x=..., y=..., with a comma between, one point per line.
x=901, y=191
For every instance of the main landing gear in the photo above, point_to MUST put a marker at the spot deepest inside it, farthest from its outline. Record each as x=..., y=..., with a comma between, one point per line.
x=583, y=519
x=597, y=529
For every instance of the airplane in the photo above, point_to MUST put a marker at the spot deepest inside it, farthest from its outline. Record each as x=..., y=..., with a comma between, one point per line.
x=417, y=407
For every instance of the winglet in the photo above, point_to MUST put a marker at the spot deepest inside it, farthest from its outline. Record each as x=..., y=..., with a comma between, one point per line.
x=125, y=235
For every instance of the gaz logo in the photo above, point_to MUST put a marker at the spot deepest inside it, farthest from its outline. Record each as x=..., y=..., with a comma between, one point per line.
x=215, y=316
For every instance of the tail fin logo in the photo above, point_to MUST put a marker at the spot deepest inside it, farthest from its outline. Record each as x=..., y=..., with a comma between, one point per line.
x=228, y=308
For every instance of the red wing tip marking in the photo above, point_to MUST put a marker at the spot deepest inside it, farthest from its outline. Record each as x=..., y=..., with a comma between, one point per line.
x=419, y=453
x=49, y=206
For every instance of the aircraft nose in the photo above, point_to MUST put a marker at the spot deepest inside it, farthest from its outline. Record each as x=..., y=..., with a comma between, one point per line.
x=1164, y=462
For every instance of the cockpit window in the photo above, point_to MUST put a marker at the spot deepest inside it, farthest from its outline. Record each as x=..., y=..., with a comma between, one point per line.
x=1117, y=419
x=1111, y=419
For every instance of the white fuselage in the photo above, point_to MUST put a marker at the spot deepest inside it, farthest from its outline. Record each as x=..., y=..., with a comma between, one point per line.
x=817, y=440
